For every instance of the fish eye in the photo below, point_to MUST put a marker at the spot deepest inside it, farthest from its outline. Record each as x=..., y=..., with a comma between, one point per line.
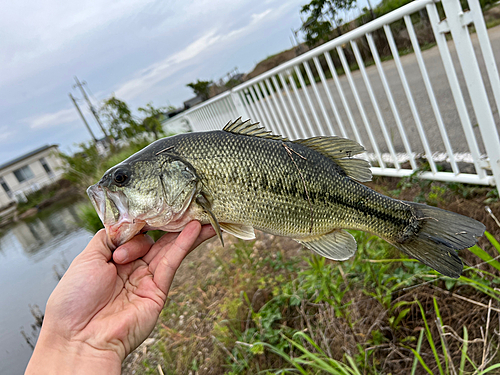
x=120, y=177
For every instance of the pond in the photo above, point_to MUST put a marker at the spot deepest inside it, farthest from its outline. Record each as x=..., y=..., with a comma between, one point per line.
x=33, y=256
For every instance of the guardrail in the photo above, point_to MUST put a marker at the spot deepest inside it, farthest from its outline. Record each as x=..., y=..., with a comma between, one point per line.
x=409, y=108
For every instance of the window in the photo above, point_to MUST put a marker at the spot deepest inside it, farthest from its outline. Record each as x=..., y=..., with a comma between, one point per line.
x=24, y=173
x=5, y=187
x=46, y=167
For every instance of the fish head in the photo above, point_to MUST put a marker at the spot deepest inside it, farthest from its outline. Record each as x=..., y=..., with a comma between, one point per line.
x=142, y=195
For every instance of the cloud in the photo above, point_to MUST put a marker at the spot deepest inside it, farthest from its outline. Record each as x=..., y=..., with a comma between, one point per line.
x=147, y=78
x=156, y=73
x=256, y=17
x=5, y=133
x=55, y=23
x=45, y=34
x=49, y=120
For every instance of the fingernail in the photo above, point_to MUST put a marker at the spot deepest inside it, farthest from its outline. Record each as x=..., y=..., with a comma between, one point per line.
x=120, y=255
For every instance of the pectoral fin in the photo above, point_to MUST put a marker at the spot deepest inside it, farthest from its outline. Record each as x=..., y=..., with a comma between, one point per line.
x=205, y=204
x=337, y=245
x=245, y=232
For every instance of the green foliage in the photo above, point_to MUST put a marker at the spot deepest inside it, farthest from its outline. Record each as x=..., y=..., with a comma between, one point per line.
x=317, y=361
x=201, y=88
x=317, y=31
x=232, y=83
x=88, y=218
x=87, y=166
x=121, y=123
x=35, y=198
x=442, y=354
x=152, y=122
x=323, y=283
x=321, y=15
x=275, y=315
x=124, y=125
x=387, y=6
x=79, y=167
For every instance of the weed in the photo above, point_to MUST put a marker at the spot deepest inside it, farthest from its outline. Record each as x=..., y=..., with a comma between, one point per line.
x=254, y=308
x=89, y=218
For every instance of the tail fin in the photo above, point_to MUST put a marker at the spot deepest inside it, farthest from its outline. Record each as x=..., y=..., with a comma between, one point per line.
x=436, y=235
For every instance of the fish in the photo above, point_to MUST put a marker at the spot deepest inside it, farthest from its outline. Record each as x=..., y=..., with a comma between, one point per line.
x=244, y=178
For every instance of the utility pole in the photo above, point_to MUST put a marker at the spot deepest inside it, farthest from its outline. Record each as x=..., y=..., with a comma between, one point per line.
x=297, y=43
x=92, y=109
x=371, y=10
x=83, y=118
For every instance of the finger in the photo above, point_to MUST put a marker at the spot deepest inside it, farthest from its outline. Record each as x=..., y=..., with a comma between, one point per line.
x=97, y=248
x=159, y=245
x=167, y=246
x=207, y=231
x=134, y=249
x=171, y=260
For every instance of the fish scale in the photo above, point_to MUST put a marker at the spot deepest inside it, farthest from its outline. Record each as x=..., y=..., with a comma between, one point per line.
x=244, y=178
x=270, y=194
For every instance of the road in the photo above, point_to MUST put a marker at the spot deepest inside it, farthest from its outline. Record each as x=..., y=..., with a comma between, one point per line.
x=442, y=92
x=413, y=75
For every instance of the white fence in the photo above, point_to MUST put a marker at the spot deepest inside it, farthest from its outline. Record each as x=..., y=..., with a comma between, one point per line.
x=434, y=104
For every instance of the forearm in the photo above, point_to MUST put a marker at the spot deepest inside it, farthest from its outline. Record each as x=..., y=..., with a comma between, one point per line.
x=52, y=356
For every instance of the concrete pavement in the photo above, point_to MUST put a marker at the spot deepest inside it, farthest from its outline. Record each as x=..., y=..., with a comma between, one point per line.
x=442, y=92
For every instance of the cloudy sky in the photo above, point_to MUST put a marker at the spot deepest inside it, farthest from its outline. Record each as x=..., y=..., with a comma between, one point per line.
x=140, y=50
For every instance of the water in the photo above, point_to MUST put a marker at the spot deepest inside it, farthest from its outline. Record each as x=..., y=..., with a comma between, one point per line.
x=32, y=253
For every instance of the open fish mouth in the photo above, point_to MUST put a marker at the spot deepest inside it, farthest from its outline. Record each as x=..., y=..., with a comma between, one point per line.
x=112, y=208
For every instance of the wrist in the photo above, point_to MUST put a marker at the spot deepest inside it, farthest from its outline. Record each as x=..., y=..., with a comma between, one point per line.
x=55, y=355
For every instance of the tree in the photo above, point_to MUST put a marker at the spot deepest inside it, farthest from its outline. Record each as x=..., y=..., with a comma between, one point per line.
x=317, y=31
x=154, y=116
x=123, y=124
x=201, y=88
x=323, y=16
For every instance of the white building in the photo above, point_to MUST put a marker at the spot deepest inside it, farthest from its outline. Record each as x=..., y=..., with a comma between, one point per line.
x=28, y=173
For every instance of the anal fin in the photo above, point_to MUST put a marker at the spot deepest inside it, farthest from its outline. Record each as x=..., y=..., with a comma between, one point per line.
x=337, y=245
x=245, y=232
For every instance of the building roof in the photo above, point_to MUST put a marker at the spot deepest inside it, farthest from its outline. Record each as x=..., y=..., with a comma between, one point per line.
x=193, y=101
x=25, y=156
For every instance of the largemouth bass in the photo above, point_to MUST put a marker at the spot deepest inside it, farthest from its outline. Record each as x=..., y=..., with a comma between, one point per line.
x=243, y=178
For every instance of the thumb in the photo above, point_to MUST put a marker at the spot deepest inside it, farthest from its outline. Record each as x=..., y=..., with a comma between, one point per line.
x=97, y=248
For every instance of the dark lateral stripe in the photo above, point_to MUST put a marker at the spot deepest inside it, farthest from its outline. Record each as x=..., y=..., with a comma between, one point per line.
x=281, y=188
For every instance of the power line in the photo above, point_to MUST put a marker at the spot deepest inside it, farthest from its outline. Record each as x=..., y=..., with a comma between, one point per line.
x=91, y=107
x=89, y=90
x=83, y=118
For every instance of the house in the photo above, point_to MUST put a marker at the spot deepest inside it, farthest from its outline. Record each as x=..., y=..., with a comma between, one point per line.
x=29, y=173
x=193, y=101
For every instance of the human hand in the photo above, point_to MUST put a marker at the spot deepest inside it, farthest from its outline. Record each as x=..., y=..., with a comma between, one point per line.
x=101, y=309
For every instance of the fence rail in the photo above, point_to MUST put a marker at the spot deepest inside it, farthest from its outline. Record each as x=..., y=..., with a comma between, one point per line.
x=406, y=109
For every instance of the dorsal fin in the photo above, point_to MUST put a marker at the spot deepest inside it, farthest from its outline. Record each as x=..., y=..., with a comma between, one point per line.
x=251, y=129
x=341, y=151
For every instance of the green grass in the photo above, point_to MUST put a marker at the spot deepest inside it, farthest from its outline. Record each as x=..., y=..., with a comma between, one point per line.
x=89, y=218
x=253, y=307
x=261, y=311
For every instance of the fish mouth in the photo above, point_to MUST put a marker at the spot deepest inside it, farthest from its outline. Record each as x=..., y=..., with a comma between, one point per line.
x=112, y=208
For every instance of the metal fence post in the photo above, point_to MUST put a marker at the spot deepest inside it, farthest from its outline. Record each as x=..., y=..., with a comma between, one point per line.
x=457, y=22
x=238, y=104
x=189, y=122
